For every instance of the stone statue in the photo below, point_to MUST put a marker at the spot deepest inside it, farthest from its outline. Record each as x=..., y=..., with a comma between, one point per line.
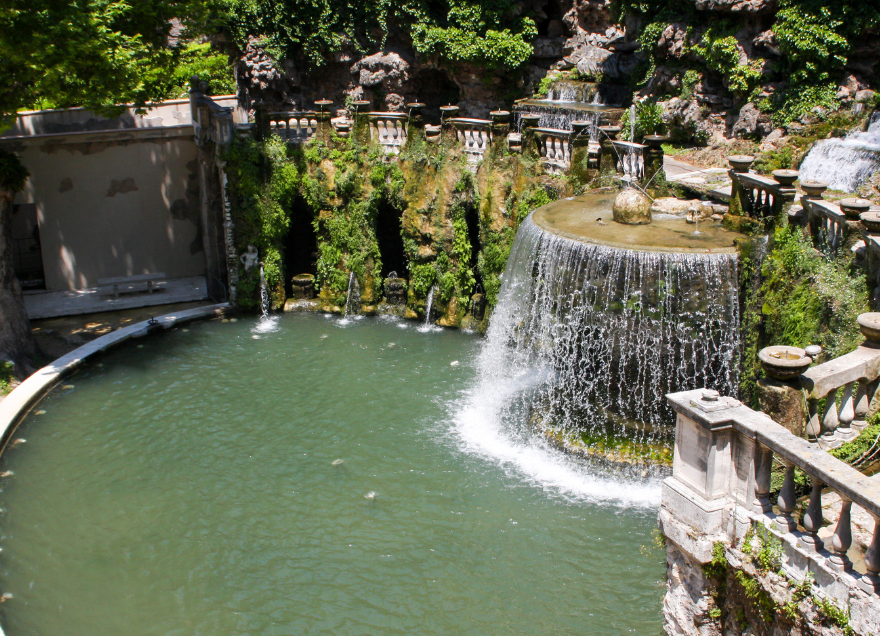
x=250, y=258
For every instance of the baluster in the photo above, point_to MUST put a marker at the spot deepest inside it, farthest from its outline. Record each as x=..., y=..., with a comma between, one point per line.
x=847, y=413
x=829, y=419
x=867, y=390
x=841, y=540
x=313, y=127
x=472, y=141
x=872, y=560
x=763, y=469
x=787, y=499
x=812, y=520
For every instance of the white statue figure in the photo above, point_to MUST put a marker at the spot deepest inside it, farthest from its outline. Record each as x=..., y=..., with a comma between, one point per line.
x=250, y=258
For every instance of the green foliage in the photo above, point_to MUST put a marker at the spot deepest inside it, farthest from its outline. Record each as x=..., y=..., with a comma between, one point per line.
x=718, y=566
x=490, y=33
x=13, y=174
x=688, y=81
x=769, y=556
x=719, y=49
x=764, y=603
x=200, y=58
x=91, y=53
x=833, y=613
x=809, y=298
x=649, y=120
x=422, y=277
x=853, y=451
x=543, y=88
x=800, y=592
x=7, y=375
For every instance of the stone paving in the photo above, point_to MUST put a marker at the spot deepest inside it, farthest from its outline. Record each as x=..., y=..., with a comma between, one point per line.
x=711, y=182
x=41, y=304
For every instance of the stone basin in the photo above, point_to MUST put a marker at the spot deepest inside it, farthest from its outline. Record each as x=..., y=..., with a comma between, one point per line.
x=814, y=188
x=869, y=325
x=871, y=220
x=783, y=362
x=852, y=208
x=740, y=163
x=785, y=178
x=588, y=218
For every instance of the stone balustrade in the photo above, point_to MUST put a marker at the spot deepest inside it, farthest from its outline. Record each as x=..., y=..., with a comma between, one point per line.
x=720, y=488
x=474, y=135
x=295, y=127
x=554, y=147
x=848, y=385
x=388, y=130
x=630, y=160
x=827, y=223
x=757, y=196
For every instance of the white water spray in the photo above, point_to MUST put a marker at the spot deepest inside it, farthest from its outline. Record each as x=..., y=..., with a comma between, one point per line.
x=590, y=338
x=267, y=323
x=845, y=164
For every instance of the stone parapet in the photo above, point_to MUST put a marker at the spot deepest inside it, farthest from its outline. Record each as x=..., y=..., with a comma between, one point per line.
x=719, y=494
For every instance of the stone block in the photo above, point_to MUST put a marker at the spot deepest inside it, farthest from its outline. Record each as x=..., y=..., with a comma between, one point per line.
x=784, y=403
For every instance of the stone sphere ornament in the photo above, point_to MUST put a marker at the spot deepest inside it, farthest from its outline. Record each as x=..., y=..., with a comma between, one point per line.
x=632, y=207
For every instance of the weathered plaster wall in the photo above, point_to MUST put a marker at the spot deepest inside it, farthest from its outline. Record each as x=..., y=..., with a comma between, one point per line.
x=114, y=204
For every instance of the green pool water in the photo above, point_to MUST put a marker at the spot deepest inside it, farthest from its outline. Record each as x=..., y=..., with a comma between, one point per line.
x=316, y=479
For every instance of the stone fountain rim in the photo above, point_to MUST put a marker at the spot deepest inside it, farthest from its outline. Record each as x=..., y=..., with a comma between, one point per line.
x=626, y=246
x=635, y=248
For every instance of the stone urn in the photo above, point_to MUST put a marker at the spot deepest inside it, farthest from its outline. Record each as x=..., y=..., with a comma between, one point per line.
x=655, y=141
x=869, y=325
x=478, y=306
x=580, y=127
x=500, y=116
x=785, y=178
x=740, y=163
x=609, y=132
x=530, y=120
x=632, y=207
x=448, y=111
x=784, y=363
x=852, y=208
x=814, y=189
x=395, y=290
x=302, y=286
x=871, y=220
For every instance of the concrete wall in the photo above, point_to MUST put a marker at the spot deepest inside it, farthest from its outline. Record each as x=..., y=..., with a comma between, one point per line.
x=113, y=197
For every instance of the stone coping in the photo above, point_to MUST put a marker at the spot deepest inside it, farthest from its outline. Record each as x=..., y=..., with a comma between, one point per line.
x=863, y=363
x=14, y=407
x=731, y=414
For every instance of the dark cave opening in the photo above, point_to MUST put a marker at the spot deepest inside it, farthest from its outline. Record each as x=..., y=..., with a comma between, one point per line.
x=388, y=235
x=301, y=244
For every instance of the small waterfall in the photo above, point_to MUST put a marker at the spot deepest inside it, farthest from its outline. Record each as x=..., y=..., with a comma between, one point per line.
x=267, y=323
x=352, y=300
x=561, y=118
x=348, y=295
x=429, y=307
x=845, y=163
x=590, y=338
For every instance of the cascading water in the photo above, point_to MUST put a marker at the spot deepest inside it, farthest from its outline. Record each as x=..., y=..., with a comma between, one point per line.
x=348, y=295
x=845, y=163
x=560, y=118
x=589, y=338
x=429, y=308
x=267, y=323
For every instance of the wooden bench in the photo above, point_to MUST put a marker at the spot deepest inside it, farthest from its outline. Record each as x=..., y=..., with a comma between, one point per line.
x=130, y=283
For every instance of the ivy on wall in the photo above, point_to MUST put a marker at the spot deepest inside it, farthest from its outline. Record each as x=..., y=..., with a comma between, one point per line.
x=344, y=181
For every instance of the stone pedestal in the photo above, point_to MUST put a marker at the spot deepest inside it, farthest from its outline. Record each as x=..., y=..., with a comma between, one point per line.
x=783, y=401
x=655, y=175
x=608, y=158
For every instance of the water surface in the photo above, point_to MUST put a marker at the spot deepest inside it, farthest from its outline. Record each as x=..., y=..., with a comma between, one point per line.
x=318, y=479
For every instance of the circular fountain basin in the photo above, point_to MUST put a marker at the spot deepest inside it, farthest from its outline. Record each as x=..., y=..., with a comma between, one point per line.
x=588, y=218
x=312, y=480
x=783, y=362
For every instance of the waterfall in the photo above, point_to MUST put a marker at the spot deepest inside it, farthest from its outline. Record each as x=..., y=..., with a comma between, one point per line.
x=590, y=338
x=429, y=306
x=845, y=163
x=560, y=118
x=267, y=323
x=348, y=295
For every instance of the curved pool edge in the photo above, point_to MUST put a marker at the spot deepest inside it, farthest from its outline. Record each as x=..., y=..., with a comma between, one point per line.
x=16, y=405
